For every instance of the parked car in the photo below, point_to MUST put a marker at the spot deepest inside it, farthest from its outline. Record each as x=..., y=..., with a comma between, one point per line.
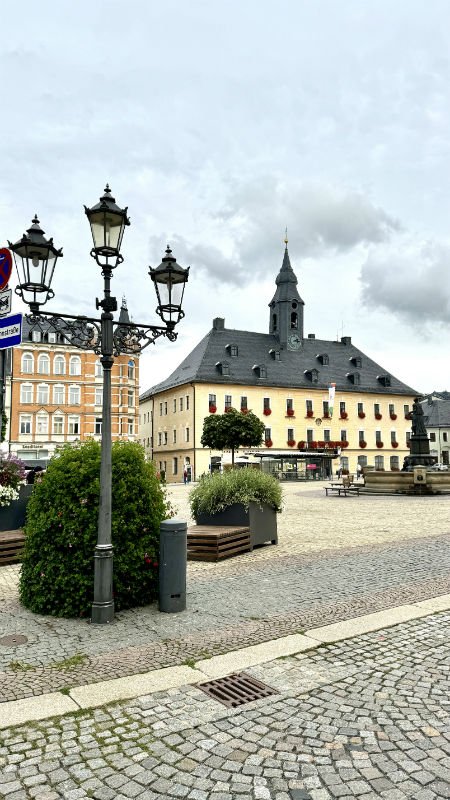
x=440, y=467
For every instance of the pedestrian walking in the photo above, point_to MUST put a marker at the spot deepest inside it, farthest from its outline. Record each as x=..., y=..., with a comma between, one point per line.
x=185, y=476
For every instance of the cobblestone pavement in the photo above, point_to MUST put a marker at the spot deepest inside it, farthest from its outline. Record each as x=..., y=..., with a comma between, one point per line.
x=249, y=599
x=365, y=718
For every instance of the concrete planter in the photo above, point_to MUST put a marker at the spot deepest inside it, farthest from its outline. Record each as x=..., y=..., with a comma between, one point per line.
x=262, y=521
x=13, y=516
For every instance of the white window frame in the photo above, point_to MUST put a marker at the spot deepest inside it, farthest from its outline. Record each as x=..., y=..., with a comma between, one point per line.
x=25, y=420
x=98, y=398
x=27, y=361
x=58, y=421
x=131, y=397
x=59, y=365
x=42, y=424
x=75, y=365
x=73, y=421
x=98, y=369
x=44, y=358
x=130, y=426
x=77, y=389
x=59, y=389
x=43, y=394
x=26, y=390
x=130, y=370
x=98, y=425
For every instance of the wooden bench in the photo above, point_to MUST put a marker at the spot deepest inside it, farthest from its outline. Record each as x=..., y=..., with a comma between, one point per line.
x=214, y=542
x=11, y=546
x=341, y=488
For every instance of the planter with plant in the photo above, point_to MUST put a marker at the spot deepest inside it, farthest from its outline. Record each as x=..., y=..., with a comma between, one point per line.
x=394, y=444
x=239, y=497
x=290, y=412
x=379, y=444
x=393, y=416
x=310, y=413
x=291, y=442
x=378, y=416
x=344, y=415
x=212, y=408
x=267, y=412
x=361, y=414
x=362, y=443
x=14, y=494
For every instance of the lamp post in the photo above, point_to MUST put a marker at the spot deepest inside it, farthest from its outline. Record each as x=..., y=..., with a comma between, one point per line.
x=35, y=258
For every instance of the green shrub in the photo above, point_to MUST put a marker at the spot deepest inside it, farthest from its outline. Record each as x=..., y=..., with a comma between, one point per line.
x=57, y=573
x=219, y=490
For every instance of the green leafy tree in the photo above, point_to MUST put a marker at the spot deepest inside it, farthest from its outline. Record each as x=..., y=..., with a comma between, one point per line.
x=232, y=430
x=57, y=573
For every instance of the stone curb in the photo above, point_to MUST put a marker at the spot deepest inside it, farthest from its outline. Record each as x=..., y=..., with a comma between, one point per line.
x=30, y=709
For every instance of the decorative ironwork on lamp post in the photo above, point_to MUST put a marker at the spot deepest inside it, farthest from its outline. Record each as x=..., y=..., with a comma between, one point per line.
x=35, y=258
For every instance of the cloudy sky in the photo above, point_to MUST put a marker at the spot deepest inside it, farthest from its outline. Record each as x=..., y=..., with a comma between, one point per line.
x=218, y=124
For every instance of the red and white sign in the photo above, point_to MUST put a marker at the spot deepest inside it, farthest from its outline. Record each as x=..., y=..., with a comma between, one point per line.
x=5, y=267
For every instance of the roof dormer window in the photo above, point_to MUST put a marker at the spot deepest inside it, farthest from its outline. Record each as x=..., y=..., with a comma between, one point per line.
x=356, y=361
x=354, y=377
x=275, y=354
x=312, y=375
x=323, y=358
x=260, y=370
x=223, y=367
x=233, y=350
x=385, y=380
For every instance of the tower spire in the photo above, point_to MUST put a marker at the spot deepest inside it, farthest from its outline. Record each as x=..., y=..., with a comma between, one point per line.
x=286, y=306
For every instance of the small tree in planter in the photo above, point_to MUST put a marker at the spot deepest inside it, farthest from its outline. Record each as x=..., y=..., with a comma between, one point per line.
x=232, y=430
x=57, y=574
x=239, y=497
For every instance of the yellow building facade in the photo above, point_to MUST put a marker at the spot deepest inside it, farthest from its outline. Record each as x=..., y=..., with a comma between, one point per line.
x=284, y=377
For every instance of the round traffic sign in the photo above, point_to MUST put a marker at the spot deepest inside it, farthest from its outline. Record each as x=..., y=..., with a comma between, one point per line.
x=5, y=267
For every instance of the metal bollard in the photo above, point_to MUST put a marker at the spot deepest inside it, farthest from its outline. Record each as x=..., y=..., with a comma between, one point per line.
x=172, y=565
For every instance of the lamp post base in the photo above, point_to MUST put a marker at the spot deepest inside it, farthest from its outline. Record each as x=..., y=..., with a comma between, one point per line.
x=103, y=605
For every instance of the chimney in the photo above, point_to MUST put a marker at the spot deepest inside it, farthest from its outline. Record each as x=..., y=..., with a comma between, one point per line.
x=346, y=339
x=311, y=335
x=218, y=324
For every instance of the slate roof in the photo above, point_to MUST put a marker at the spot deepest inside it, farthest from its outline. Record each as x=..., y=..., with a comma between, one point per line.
x=254, y=349
x=437, y=413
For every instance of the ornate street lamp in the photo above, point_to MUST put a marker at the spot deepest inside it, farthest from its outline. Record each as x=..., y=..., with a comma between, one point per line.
x=103, y=336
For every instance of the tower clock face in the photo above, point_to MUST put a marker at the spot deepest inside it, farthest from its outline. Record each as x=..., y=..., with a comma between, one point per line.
x=294, y=342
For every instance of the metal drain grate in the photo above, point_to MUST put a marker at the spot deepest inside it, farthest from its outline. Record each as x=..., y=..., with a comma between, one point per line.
x=13, y=639
x=235, y=690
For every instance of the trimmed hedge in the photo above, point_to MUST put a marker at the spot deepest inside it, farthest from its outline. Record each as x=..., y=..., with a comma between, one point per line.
x=57, y=573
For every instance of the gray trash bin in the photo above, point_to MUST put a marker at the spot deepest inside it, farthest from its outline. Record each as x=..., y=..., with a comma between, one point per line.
x=172, y=565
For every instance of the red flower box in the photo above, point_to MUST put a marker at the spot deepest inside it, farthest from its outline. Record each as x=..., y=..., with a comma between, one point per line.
x=326, y=415
x=379, y=444
x=408, y=415
x=344, y=444
x=301, y=445
x=244, y=410
x=361, y=414
x=378, y=416
x=344, y=415
x=268, y=443
x=393, y=416
x=291, y=442
x=290, y=412
x=394, y=444
x=267, y=412
x=362, y=443
x=212, y=409
x=227, y=409
x=312, y=445
x=309, y=414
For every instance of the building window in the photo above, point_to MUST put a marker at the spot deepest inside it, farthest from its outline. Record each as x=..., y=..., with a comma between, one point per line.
x=43, y=364
x=360, y=408
x=266, y=404
x=165, y=408
x=228, y=399
x=175, y=466
x=130, y=398
x=391, y=409
x=58, y=425
x=36, y=336
x=267, y=434
x=343, y=436
x=344, y=463
x=262, y=371
x=160, y=409
x=51, y=337
x=98, y=400
x=181, y=404
x=27, y=363
x=342, y=407
x=432, y=436
x=361, y=437
x=243, y=404
x=59, y=365
x=379, y=462
x=378, y=436
x=130, y=370
x=26, y=393
x=25, y=423
x=42, y=394
x=376, y=408
x=394, y=463
x=393, y=437
x=58, y=395
x=130, y=426
x=159, y=439
x=408, y=437
x=445, y=436
x=326, y=408
x=165, y=437
x=309, y=406
x=74, y=395
x=187, y=434
x=174, y=436
x=362, y=461
x=290, y=434
x=175, y=405
x=98, y=369
x=294, y=320
x=233, y=350
x=42, y=423
x=75, y=365
x=74, y=426
x=309, y=435
x=406, y=410
x=98, y=426
x=327, y=435
x=289, y=404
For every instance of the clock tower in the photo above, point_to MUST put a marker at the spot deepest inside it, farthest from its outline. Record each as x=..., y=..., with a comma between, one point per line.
x=286, y=307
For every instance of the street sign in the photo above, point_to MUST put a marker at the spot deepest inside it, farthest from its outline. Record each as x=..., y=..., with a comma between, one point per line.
x=10, y=331
x=5, y=267
x=5, y=302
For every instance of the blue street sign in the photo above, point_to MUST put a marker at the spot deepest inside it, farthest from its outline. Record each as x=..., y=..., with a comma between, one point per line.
x=10, y=331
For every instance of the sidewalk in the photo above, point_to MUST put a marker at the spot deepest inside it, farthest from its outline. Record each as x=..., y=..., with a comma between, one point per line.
x=347, y=619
